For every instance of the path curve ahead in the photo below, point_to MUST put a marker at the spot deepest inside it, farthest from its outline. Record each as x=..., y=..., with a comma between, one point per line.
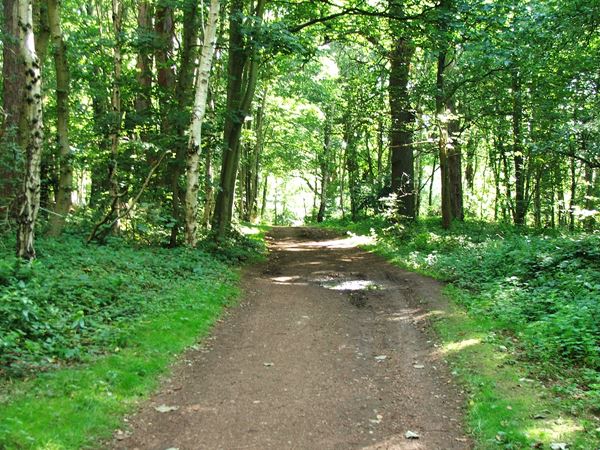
x=328, y=349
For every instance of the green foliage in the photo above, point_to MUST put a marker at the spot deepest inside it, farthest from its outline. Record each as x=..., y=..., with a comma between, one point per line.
x=531, y=305
x=237, y=247
x=75, y=407
x=78, y=301
x=543, y=288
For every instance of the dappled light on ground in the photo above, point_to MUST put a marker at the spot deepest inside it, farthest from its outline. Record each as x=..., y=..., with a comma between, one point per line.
x=556, y=430
x=458, y=346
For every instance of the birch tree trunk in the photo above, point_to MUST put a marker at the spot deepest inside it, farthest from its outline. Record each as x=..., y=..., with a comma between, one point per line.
x=184, y=101
x=65, y=179
x=29, y=201
x=193, y=154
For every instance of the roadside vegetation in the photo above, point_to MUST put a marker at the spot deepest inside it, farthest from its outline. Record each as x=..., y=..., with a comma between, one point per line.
x=523, y=332
x=87, y=330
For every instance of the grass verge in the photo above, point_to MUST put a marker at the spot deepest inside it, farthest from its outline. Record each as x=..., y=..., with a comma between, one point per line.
x=87, y=331
x=526, y=361
x=74, y=407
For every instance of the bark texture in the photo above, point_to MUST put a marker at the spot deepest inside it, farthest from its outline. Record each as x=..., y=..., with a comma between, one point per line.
x=11, y=113
x=401, y=135
x=29, y=198
x=194, y=147
x=520, y=206
x=115, y=131
x=242, y=75
x=65, y=178
x=144, y=62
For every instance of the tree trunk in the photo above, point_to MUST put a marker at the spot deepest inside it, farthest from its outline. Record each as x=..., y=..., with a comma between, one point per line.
x=49, y=166
x=29, y=201
x=520, y=206
x=351, y=163
x=560, y=196
x=253, y=164
x=13, y=104
x=380, y=154
x=537, y=193
x=164, y=27
x=324, y=164
x=448, y=143
x=195, y=143
x=263, y=206
x=590, y=196
x=443, y=140
x=209, y=192
x=497, y=192
x=419, y=184
x=573, y=194
x=65, y=178
x=433, y=170
x=185, y=84
x=144, y=63
x=243, y=59
x=455, y=164
x=115, y=131
x=401, y=135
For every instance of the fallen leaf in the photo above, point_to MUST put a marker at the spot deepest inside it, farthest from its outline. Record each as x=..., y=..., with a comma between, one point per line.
x=165, y=408
x=411, y=435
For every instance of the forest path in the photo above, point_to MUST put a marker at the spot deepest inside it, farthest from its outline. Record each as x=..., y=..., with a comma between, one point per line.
x=328, y=349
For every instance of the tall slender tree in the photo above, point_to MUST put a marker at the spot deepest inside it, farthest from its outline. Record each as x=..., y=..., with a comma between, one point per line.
x=65, y=179
x=11, y=114
x=401, y=135
x=242, y=78
x=195, y=142
x=29, y=198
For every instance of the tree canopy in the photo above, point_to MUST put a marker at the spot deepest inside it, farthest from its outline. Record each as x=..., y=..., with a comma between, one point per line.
x=308, y=110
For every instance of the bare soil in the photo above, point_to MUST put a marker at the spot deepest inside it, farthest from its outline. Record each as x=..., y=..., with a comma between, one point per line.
x=329, y=348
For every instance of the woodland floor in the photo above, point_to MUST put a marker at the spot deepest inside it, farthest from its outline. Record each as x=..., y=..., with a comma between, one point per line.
x=329, y=348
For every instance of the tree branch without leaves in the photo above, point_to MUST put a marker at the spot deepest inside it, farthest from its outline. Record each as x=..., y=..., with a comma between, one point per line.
x=94, y=234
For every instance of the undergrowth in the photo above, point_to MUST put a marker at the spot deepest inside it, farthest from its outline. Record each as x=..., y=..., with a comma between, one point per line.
x=537, y=292
x=77, y=301
x=86, y=330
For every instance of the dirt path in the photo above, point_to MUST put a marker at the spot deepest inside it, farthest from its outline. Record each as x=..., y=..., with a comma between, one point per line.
x=328, y=349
